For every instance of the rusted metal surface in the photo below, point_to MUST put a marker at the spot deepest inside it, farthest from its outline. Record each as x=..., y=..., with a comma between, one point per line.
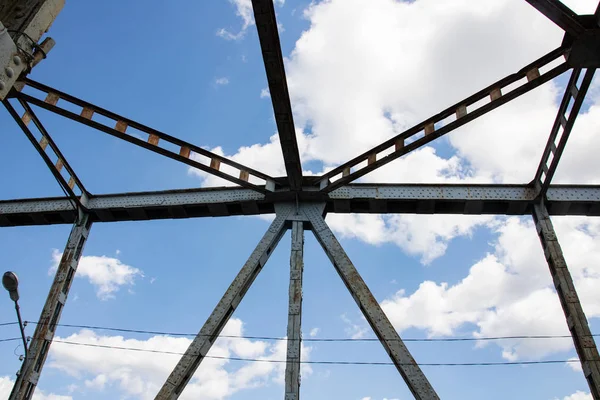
x=565, y=289
x=194, y=355
x=354, y=198
x=565, y=119
x=294, y=328
x=119, y=131
x=55, y=302
x=332, y=180
x=389, y=338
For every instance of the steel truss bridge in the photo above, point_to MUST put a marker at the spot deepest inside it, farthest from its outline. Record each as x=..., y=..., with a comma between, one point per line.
x=299, y=202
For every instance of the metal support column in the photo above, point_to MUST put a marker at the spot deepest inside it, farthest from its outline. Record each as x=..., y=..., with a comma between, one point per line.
x=197, y=350
x=563, y=282
x=45, y=329
x=294, y=330
x=395, y=347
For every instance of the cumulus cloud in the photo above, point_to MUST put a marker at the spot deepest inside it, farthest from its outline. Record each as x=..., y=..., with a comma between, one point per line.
x=222, y=81
x=6, y=385
x=243, y=9
x=107, y=274
x=508, y=292
x=578, y=395
x=140, y=375
x=360, y=75
x=352, y=87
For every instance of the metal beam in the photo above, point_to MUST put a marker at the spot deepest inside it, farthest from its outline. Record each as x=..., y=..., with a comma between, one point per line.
x=563, y=125
x=421, y=134
x=389, y=338
x=563, y=282
x=55, y=302
x=266, y=25
x=354, y=198
x=200, y=346
x=294, y=328
x=125, y=128
x=560, y=14
x=42, y=145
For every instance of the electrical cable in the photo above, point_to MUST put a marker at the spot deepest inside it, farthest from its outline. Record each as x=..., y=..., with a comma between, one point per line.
x=467, y=364
x=468, y=339
x=10, y=339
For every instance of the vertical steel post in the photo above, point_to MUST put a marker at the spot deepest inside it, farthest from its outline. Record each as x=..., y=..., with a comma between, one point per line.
x=294, y=329
x=55, y=302
x=563, y=282
x=383, y=328
x=197, y=350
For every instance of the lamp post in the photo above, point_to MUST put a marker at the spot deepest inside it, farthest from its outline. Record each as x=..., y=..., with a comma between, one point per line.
x=11, y=284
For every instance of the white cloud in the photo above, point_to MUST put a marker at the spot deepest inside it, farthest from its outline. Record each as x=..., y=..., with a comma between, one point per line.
x=222, y=81
x=7, y=383
x=355, y=330
x=574, y=364
x=509, y=292
x=264, y=93
x=243, y=9
x=107, y=274
x=578, y=395
x=140, y=375
x=314, y=332
x=352, y=87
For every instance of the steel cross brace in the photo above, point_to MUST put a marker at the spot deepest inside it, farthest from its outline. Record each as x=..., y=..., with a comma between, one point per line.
x=447, y=120
x=296, y=216
x=42, y=145
x=188, y=153
x=55, y=302
x=565, y=288
x=563, y=125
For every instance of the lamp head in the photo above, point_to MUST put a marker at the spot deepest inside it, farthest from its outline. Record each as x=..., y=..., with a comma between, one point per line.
x=11, y=284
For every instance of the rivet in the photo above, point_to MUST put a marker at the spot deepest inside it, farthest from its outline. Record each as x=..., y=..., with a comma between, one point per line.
x=2, y=85
x=9, y=72
x=17, y=60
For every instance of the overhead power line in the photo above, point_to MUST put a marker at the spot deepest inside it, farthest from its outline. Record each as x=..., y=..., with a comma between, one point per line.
x=10, y=339
x=471, y=364
x=308, y=339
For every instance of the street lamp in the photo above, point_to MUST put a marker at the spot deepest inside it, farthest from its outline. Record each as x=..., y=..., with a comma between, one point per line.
x=11, y=284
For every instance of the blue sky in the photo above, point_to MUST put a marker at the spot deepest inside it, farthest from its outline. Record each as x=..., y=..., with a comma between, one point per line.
x=356, y=77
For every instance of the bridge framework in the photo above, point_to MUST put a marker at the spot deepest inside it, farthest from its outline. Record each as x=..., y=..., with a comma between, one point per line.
x=299, y=202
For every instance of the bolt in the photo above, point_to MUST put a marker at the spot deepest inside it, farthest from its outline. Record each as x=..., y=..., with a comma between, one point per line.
x=17, y=60
x=2, y=85
x=9, y=72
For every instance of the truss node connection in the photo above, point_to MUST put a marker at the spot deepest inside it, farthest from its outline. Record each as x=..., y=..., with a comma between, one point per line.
x=299, y=202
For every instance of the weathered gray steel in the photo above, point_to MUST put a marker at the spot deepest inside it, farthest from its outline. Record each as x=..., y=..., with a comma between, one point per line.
x=266, y=25
x=437, y=125
x=576, y=320
x=294, y=328
x=395, y=347
x=55, y=302
x=563, y=125
x=353, y=198
x=209, y=333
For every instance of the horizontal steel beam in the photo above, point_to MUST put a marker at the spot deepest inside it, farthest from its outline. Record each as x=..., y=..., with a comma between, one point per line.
x=355, y=198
